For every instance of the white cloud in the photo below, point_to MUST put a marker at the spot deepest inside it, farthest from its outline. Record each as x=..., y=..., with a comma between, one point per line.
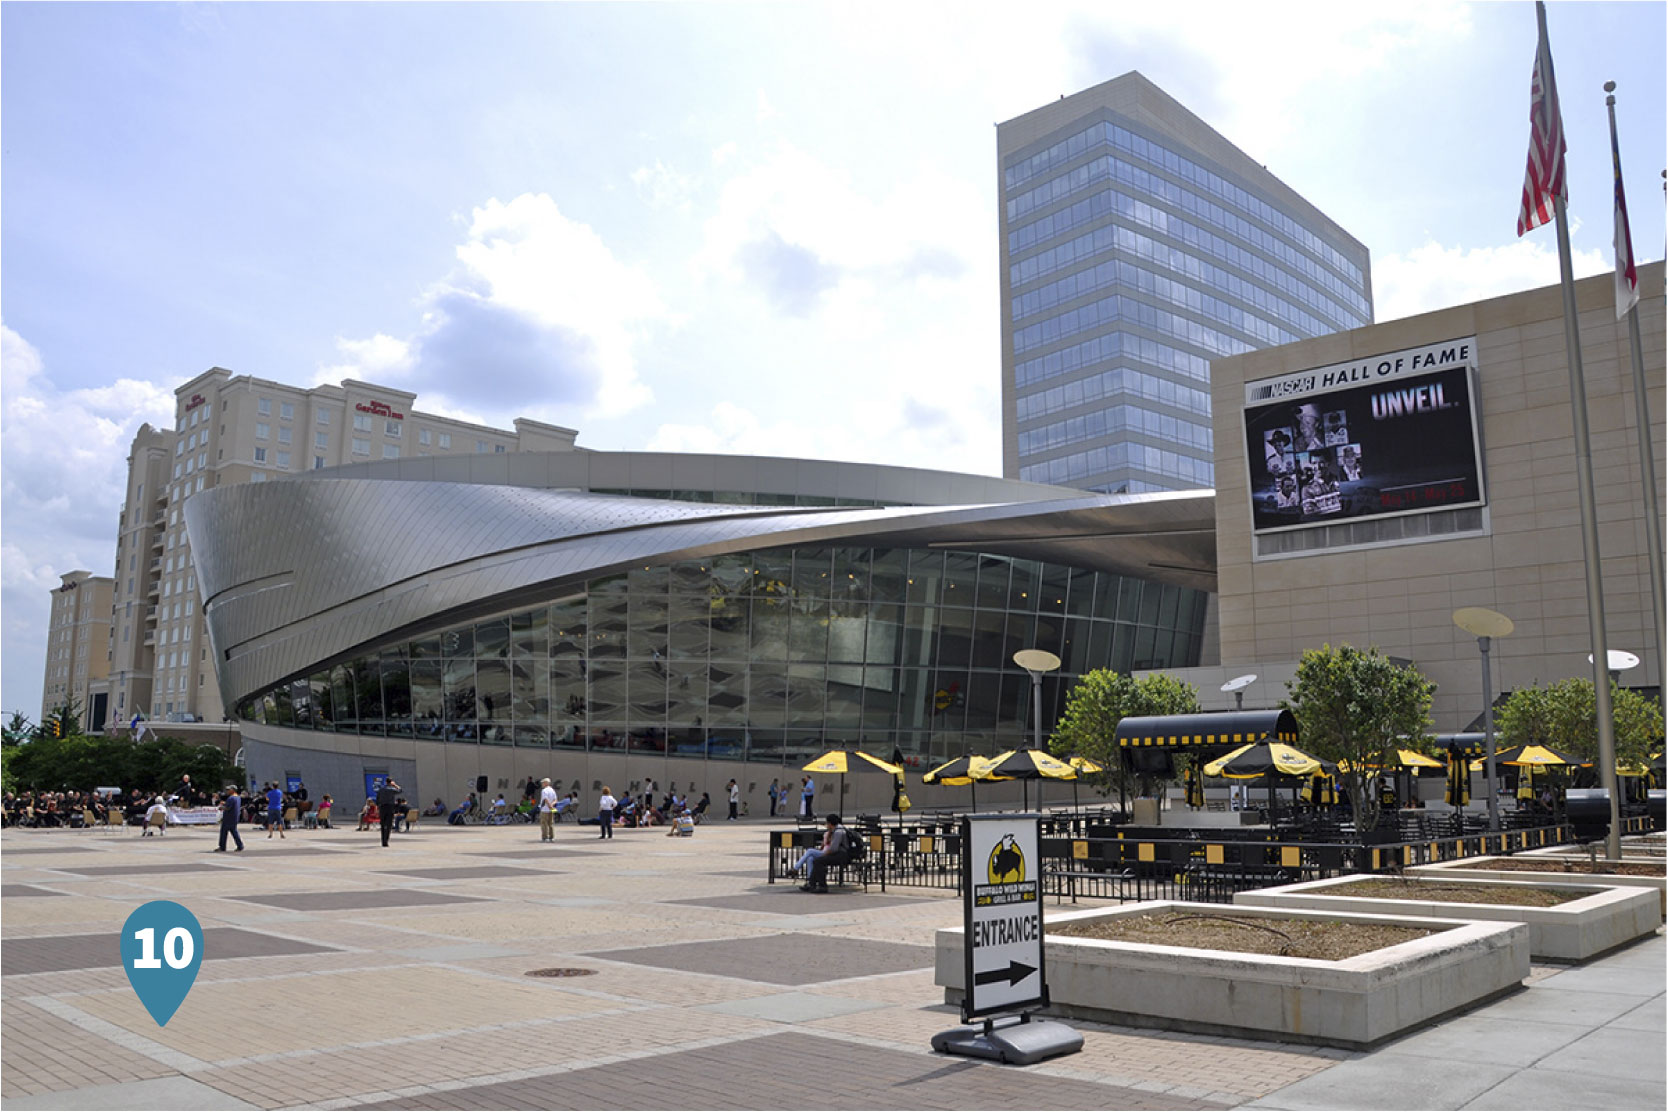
x=63, y=482
x=1432, y=276
x=664, y=187
x=538, y=307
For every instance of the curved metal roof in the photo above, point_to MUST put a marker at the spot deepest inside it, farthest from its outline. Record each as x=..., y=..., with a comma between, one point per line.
x=298, y=572
x=1234, y=727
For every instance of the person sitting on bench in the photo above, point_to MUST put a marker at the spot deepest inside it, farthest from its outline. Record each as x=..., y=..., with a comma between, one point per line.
x=838, y=853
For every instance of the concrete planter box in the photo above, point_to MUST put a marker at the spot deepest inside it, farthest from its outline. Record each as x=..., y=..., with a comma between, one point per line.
x=1601, y=919
x=1353, y=1003
x=1478, y=868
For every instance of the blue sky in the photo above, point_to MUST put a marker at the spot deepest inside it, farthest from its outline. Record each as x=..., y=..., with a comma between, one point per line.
x=714, y=227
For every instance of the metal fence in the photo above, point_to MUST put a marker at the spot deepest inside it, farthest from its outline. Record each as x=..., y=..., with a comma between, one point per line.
x=1138, y=864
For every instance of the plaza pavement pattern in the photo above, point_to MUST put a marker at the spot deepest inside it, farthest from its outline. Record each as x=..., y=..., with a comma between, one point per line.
x=338, y=974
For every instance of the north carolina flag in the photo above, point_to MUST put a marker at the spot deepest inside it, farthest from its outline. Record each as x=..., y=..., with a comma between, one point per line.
x=1627, y=278
x=1544, y=179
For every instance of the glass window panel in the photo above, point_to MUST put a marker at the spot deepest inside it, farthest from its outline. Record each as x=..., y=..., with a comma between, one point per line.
x=728, y=628
x=811, y=570
x=988, y=638
x=690, y=577
x=686, y=693
x=646, y=636
x=887, y=573
x=324, y=716
x=983, y=701
x=367, y=685
x=530, y=634
x=772, y=573
x=428, y=697
x=567, y=692
x=492, y=689
x=458, y=642
x=1169, y=601
x=993, y=582
x=425, y=647
x=915, y=698
x=1050, y=630
x=1075, y=651
x=961, y=573
x=532, y=737
x=609, y=621
x=606, y=588
x=955, y=638
x=731, y=575
x=687, y=627
x=726, y=695
x=843, y=711
x=648, y=692
x=1143, y=653
x=1021, y=634
x=1123, y=647
x=530, y=691
x=1022, y=590
x=1055, y=579
x=1151, y=596
x=880, y=699
x=1100, y=646
x=769, y=629
x=280, y=707
x=767, y=696
x=851, y=573
x=651, y=739
x=1081, y=601
x=648, y=582
x=806, y=696
x=1129, y=599
x=459, y=680
x=948, y=701
x=808, y=631
x=606, y=692
x=568, y=627
x=883, y=639
x=926, y=571
x=396, y=693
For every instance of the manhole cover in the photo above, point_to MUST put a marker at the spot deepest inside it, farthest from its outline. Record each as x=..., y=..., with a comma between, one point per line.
x=559, y=972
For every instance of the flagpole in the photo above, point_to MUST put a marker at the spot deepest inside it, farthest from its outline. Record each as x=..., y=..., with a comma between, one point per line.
x=1647, y=461
x=1584, y=488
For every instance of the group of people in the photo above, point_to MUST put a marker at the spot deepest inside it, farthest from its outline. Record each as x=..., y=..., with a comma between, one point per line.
x=836, y=849
x=781, y=794
x=54, y=808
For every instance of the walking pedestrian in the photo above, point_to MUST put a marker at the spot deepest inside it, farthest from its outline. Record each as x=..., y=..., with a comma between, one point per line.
x=605, y=812
x=807, y=798
x=231, y=809
x=547, y=811
x=387, y=801
x=735, y=799
x=775, y=786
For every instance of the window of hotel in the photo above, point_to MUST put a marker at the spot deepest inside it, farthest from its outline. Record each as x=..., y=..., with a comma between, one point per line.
x=423, y=436
x=179, y=447
x=284, y=461
x=202, y=459
x=263, y=406
x=361, y=422
x=191, y=465
x=193, y=422
x=498, y=448
x=318, y=463
x=324, y=417
x=199, y=483
x=392, y=428
x=260, y=455
x=262, y=430
x=283, y=435
x=390, y=451
x=257, y=476
x=361, y=447
x=480, y=445
x=207, y=409
x=445, y=440
x=178, y=470
x=321, y=440
x=286, y=412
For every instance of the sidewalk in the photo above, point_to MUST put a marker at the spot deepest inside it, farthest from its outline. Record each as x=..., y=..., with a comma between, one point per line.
x=338, y=974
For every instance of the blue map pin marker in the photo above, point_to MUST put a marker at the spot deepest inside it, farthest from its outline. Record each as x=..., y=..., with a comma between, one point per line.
x=162, y=949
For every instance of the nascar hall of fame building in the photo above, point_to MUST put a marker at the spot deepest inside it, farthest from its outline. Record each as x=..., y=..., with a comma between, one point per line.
x=608, y=618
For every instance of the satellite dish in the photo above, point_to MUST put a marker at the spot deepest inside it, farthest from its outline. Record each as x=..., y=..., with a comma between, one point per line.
x=1620, y=660
x=1480, y=621
x=1240, y=683
x=1036, y=660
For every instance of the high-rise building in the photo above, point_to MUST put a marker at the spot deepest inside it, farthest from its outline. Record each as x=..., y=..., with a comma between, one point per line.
x=78, y=648
x=237, y=429
x=1138, y=245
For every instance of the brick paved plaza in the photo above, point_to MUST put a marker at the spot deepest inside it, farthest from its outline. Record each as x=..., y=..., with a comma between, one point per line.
x=338, y=974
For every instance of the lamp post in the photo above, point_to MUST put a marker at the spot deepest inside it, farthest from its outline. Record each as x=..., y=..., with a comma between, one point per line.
x=1036, y=662
x=1616, y=662
x=1485, y=625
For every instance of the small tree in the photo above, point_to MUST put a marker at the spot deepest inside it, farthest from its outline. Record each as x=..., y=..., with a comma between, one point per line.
x=1357, y=707
x=1103, y=698
x=1564, y=715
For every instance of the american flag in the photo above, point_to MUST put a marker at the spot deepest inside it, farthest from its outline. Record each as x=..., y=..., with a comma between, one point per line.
x=1544, y=178
x=1627, y=278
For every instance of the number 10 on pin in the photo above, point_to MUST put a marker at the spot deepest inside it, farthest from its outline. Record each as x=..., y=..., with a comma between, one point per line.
x=162, y=949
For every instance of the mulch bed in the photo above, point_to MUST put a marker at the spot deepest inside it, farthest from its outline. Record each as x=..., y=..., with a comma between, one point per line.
x=1513, y=895
x=1561, y=865
x=1294, y=938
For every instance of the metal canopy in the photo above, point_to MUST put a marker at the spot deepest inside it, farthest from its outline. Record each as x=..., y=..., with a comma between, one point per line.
x=1198, y=730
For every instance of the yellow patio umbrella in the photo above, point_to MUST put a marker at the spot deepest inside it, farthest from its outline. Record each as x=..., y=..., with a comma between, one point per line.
x=1026, y=765
x=1537, y=756
x=1083, y=765
x=1264, y=758
x=843, y=760
x=961, y=770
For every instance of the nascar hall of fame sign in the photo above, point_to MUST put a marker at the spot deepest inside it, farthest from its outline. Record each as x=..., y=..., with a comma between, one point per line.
x=1387, y=435
x=1003, y=894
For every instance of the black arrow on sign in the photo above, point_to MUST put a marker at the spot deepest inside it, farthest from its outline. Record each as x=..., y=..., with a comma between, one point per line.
x=1015, y=973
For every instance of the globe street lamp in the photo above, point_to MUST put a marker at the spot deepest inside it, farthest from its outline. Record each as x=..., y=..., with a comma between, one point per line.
x=1036, y=662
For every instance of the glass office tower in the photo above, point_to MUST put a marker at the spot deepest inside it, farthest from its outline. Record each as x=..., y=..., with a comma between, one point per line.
x=1137, y=246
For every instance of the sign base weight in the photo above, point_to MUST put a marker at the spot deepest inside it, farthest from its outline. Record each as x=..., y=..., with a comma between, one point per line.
x=1016, y=1041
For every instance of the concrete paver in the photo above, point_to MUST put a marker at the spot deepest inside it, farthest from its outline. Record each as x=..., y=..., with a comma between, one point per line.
x=339, y=974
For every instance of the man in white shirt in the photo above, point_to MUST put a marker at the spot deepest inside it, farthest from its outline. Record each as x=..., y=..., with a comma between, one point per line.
x=735, y=798
x=547, y=811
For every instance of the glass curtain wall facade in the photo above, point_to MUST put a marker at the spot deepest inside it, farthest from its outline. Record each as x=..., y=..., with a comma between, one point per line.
x=1132, y=260
x=770, y=656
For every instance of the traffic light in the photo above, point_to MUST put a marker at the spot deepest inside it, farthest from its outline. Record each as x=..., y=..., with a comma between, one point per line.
x=57, y=727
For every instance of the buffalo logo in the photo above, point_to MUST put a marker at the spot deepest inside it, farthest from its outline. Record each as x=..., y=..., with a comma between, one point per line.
x=1007, y=862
